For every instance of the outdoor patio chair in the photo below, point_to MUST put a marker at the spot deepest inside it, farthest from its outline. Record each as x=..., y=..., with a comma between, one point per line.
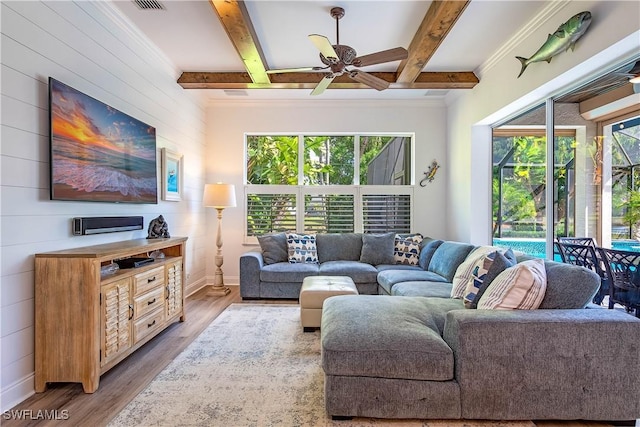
x=578, y=241
x=586, y=255
x=623, y=269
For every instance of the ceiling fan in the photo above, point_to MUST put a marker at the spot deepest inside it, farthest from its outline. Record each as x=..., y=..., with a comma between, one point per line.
x=338, y=57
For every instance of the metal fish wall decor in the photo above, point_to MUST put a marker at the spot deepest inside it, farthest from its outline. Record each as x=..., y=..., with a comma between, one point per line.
x=564, y=38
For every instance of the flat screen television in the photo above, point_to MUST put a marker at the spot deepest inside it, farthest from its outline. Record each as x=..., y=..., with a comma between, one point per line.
x=98, y=153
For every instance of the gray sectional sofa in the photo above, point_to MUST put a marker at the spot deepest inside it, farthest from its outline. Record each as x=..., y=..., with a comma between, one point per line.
x=417, y=353
x=266, y=273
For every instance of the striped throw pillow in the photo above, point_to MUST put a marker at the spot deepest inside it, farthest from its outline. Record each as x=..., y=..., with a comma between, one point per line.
x=519, y=287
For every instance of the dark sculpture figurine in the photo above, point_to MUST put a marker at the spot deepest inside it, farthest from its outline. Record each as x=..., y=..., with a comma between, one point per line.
x=158, y=228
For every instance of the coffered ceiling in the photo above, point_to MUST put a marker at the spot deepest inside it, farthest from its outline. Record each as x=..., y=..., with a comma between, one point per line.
x=224, y=47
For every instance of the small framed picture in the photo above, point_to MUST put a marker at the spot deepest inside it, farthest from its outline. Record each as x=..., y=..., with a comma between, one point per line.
x=172, y=175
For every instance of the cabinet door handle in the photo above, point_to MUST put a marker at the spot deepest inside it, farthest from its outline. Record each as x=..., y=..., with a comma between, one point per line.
x=151, y=302
x=152, y=279
x=151, y=324
x=168, y=292
x=130, y=311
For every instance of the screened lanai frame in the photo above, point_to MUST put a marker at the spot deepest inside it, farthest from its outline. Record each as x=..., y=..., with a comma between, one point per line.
x=625, y=169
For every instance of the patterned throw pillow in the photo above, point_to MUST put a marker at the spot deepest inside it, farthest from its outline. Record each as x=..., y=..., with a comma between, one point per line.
x=406, y=249
x=478, y=275
x=485, y=271
x=464, y=270
x=302, y=248
x=519, y=287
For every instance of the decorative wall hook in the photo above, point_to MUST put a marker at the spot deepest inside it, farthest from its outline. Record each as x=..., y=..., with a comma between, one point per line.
x=430, y=174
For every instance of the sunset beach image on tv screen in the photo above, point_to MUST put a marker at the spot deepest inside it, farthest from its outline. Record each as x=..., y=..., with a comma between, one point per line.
x=97, y=152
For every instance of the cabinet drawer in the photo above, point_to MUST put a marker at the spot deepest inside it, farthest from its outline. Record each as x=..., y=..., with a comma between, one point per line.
x=148, y=302
x=148, y=324
x=148, y=280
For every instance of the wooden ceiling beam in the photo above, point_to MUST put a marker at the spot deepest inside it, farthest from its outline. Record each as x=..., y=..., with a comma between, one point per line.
x=236, y=22
x=435, y=26
x=431, y=80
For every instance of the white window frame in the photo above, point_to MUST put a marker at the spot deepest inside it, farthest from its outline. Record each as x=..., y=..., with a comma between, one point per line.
x=301, y=191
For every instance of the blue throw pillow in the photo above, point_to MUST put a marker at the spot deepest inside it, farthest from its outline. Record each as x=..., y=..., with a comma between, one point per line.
x=274, y=247
x=427, y=252
x=378, y=248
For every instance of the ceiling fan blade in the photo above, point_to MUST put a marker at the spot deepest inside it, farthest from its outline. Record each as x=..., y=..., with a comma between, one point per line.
x=324, y=83
x=324, y=46
x=369, y=79
x=295, y=70
x=395, y=54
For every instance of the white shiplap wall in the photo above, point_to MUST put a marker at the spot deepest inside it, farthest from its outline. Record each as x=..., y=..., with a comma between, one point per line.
x=91, y=47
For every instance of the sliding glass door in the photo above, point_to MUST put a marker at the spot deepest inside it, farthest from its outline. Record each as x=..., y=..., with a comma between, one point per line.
x=592, y=188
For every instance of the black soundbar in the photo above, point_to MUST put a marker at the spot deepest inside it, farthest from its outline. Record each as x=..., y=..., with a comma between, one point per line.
x=133, y=262
x=106, y=224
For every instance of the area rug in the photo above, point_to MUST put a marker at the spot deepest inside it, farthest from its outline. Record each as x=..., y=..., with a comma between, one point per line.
x=252, y=366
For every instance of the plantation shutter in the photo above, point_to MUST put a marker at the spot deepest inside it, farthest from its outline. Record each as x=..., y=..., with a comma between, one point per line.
x=268, y=213
x=329, y=213
x=382, y=213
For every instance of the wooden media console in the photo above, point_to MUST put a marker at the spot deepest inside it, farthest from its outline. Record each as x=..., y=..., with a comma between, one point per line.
x=86, y=321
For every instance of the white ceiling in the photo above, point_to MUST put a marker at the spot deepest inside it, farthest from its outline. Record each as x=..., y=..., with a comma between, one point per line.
x=191, y=36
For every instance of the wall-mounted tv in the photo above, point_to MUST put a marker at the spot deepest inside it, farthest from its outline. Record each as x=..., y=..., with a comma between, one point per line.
x=98, y=153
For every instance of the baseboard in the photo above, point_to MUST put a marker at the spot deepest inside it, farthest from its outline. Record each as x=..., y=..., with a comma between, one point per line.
x=194, y=287
x=228, y=280
x=207, y=281
x=17, y=392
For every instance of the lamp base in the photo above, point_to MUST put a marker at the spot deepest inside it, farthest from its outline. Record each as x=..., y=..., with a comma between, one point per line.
x=218, y=290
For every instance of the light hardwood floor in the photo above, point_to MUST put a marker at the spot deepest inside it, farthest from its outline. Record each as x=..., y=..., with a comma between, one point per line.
x=122, y=383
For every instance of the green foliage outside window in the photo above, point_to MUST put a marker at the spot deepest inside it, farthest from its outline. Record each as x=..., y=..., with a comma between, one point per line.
x=272, y=160
x=328, y=160
x=520, y=191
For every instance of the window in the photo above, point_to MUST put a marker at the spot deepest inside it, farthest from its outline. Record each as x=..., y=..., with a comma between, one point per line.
x=328, y=183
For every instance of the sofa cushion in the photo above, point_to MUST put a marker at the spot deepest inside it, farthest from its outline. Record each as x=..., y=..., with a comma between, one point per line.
x=519, y=287
x=274, y=247
x=569, y=286
x=401, y=340
x=440, y=290
x=406, y=249
x=377, y=248
x=302, y=248
x=486, y=270
x=447, y=257
x=358, y=271
x=465, y=269
x=286, y=272
x=388, y=278
x=339, y=246
x=427, y=252
x=402, y=267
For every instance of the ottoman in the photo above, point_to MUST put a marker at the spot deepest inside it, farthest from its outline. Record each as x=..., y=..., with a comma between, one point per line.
x=316, y=289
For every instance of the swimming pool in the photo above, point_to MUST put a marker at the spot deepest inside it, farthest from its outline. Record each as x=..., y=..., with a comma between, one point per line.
x=536, y=247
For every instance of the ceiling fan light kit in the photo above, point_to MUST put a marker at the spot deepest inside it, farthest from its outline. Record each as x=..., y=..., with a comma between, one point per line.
x=338, y=57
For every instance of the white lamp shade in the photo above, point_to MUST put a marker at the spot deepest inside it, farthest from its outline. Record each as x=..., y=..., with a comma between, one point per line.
x=219, y=195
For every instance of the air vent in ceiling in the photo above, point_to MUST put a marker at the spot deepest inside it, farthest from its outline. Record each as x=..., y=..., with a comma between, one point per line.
x=235, y=92
x=149, y=4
